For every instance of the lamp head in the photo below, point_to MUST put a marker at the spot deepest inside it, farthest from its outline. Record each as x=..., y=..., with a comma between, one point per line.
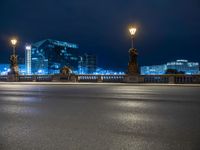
x=13, y=42
x=132, y=31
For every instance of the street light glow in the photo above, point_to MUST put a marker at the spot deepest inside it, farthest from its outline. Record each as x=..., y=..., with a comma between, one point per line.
x=132, y=30
x=14, y=42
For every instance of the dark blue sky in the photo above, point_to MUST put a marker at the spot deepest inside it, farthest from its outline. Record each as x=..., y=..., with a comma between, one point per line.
x=167, y=29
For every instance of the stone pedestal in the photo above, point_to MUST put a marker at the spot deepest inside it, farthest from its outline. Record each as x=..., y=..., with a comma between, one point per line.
x=133, y=71
x=132, y=79
x=12, y=77
x=132, y=65
x=55, y=78
x=73, y=78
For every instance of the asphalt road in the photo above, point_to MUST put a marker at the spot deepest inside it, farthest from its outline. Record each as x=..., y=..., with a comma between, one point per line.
x=99, y=117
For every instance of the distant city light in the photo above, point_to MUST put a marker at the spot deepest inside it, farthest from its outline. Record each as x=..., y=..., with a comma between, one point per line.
x=28, y=47
x=40, y=71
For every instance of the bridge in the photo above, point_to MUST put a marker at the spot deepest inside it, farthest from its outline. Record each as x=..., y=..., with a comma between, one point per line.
x=168, y=79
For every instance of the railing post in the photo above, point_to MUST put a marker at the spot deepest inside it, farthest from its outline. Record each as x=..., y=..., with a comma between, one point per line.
x=99, y=79
x=171, y=79
x=131, y=79
x=141, y=79
x=34, y=79
x=73, y=78
x=78, y=78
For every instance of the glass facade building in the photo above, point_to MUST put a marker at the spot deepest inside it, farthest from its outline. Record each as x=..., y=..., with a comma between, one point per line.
x=28, y=59
x=184, y=66
x=87, y=64
x=153, y=70
x=49, y=56
x=179, y=65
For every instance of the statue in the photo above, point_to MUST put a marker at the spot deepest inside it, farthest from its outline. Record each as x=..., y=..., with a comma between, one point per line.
x=65, y=71
x=13, y=65
x=132, y=65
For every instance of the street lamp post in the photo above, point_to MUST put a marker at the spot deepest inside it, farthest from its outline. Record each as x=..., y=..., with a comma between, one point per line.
x=133, y=65
x=132, y=31
x=13, y=62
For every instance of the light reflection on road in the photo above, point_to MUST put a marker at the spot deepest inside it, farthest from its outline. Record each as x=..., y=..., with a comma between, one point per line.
x=19, y=110
x=97, y=117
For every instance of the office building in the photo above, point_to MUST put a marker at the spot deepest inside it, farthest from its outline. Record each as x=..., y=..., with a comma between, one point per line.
x=153, y=70
x=28, y=59
x=180, y=66
x=49, y=56
x=87, y=64
x=184, y=66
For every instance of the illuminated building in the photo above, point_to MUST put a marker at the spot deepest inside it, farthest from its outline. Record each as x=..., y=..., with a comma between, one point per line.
x=153, y=70
x=5, y=68
x=87, y=64
x=28, y=59
x=49, y=56
x=184, y=66
x=179, y=65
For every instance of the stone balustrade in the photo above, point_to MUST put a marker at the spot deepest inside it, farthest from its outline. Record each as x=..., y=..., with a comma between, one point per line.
x=174, y=79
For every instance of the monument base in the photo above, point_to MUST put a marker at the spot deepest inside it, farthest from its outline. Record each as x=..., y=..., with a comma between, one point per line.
x=132, y=79
x=12, y=77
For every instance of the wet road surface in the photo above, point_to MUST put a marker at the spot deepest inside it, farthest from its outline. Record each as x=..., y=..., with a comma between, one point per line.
x=99, y=117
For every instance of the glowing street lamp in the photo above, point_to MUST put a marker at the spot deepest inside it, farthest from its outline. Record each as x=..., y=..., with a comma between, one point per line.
x=14, y=43
x=133, y=65
x=132, y=31
x=13, y=62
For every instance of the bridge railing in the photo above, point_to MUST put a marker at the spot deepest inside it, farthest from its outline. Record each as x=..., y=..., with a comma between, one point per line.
x=100, y=78
x=3, y=78
x=187, y=79
x=155, y=79
x=39, y=78
x=176, y=79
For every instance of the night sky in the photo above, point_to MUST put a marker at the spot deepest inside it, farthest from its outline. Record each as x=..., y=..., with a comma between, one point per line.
x=167, y=29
